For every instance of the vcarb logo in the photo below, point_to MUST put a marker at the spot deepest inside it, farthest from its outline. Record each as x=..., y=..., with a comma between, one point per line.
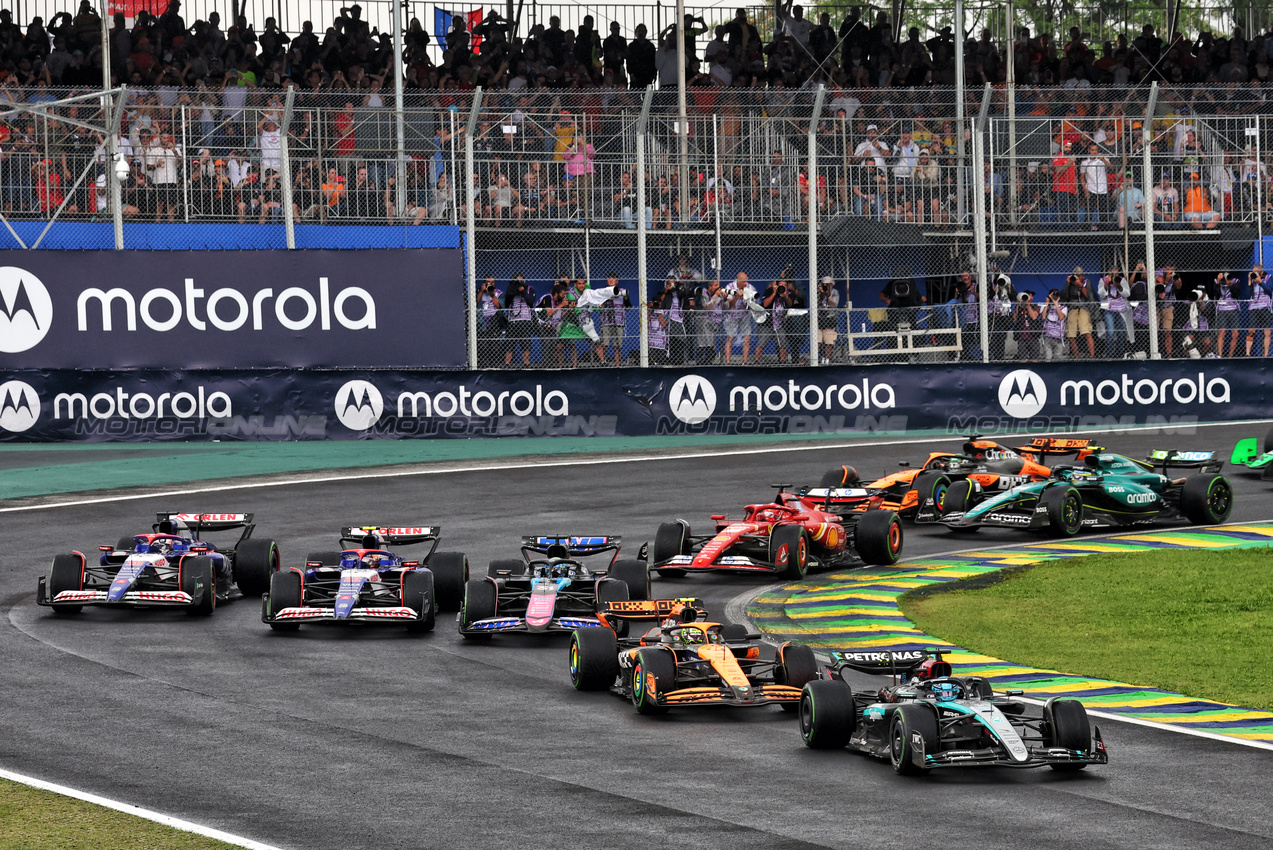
x=19, y=405
x=26, y=310
x=1022, y=393
x=692, y=399
x=228, y=309
x=359, y=405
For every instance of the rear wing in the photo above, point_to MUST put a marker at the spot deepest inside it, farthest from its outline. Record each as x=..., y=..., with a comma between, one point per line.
x=574, y=547
x=1044, y=446
x=390, y=535
x=1173, y=459
x=198, y=524
x=895, y=662
x=654, y=609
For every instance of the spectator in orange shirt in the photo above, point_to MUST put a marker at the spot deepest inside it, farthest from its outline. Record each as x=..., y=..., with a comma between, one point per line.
x=334, y=194
x=1198, y=210
x=1064, y=185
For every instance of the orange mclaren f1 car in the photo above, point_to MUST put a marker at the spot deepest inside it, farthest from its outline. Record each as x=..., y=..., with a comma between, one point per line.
x=686, y=660
x=950, y=481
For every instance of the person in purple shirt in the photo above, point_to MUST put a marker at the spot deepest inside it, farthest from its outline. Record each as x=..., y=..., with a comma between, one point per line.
x=614, y=321
x=519, y=311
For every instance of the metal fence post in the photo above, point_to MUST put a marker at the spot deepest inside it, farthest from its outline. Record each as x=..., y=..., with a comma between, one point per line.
x=961, y=192
x=399, y=113
x=979, y=218
x=1151, y=297
x=465, y=193
x=285, y=160
x=112, y=155
x=812, y=183
x=642, y=270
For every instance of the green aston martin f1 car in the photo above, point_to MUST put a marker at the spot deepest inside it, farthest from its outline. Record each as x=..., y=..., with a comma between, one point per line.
x=1246, y=453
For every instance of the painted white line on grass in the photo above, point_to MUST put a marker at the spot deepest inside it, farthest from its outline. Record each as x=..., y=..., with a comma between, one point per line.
x=647, y=456
x=137, y=811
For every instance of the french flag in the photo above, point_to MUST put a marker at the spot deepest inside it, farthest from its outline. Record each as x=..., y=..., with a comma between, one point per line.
x=442, y=25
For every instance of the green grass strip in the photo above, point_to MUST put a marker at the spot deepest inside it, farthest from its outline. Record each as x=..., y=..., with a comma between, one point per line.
x=31, y=818
x=1194, y=622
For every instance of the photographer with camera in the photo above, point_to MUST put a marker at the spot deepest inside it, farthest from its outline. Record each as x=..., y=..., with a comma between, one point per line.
x=1054, y=321
x=1078, y=298
x=491, y=321
x=1197, y=330
x=828, y=316
x=1138, y=300
x=1226, y=291
x=709, y=314
x=1259, y=308
x=1026, y=323
x=968, y=314
x=738, y=322
x=658, y=327
x=519, y=311
x=1173, y=308
x=1115, y=292
x=777, y=299
x=999, y=311
x=903, y=300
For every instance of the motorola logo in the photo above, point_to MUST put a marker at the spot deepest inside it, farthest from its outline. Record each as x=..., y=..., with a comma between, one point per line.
x=1022, y=393
x=19, y=406
x=359, y=405
x=26, y=310
x=692, y=399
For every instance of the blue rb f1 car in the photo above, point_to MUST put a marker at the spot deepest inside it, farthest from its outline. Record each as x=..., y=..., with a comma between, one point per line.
x=170, y=566
x=367, y=583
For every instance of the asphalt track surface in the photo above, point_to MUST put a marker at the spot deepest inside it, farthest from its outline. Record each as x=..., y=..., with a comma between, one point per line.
x=351, y=738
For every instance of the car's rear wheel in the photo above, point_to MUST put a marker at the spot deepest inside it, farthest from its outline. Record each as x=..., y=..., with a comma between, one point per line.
x=254, y=562
x=594, y=659
x=419, y=594
x=789, y=549
x=481, y=600
x=636, y=574
x=1066, y=724
x=450, y=571
x=878, y=538
x=840, y=476
x=199, y=579
x=1065, y=510
x=610, y=590
x=126, y=544
x=669, y=541
x=908, y=721
x=827, y=715
x=66, y=573
x=285, y=592
x=796, y=667
x=508, y=566
x=653, y=673
x=1206, y=499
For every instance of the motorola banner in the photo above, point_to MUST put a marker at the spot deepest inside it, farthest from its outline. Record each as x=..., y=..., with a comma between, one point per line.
x=366, y=404
x=232, y=309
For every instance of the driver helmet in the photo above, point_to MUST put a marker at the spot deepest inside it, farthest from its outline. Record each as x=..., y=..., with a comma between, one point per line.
x=161, y=545
x=371, y=561
x=947, y=690
x=692, y=636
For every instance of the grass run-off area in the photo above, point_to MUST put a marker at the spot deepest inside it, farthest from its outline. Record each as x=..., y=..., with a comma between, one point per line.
x=31, y=818
x=1199, y=623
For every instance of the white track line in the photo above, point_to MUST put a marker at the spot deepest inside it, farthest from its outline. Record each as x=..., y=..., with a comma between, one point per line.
x=136, y=811
x=647, y=456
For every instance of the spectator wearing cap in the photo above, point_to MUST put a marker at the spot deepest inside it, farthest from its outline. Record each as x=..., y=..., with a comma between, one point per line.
x=614, y=321
x=904, y=165
x=1166, y=203
x=828, y=317
x=163, y=158
x=1198, y=211
x=1130, y=202
x=1064, y=186
x=1078, y=296
x=1095, y=188
x=874, y=147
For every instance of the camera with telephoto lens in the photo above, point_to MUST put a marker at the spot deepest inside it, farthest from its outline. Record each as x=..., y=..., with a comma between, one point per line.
x=1023, y=297
x=1197, y=295
x=1160, y=289
x=1003, y=287
x=901, y=289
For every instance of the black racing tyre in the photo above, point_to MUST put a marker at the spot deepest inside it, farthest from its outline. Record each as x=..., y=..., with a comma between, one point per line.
x=789, y=549
x=330, y=558
x=840, y=476
x=879, y=538
x=199, y=579
x=1268, y=441
x=908, y=720
x=594, y=659
x=796, y=667
x=1066, y=723
x=959, y=496
x=285, y=592
x=657, y=666
x=1065, y=510
x=611, y=590
x=419, y=594
x=933, y=485
x=254, y=562
x=66, y=573
x=828, y=717
x=733, y=632
x=450, y=571
x=126, y=544
x=481, y=600
x=1206, y=499
x=669, y=541
x=636, y=574
x=509, y=566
